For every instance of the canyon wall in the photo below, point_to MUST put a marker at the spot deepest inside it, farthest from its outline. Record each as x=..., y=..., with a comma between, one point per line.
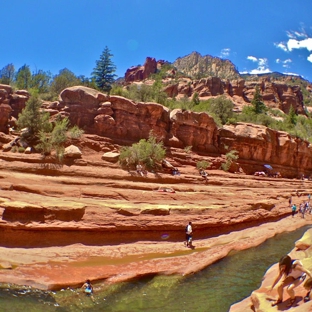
x=126, y=121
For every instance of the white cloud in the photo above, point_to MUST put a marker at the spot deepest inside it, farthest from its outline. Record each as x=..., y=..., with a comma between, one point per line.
x=300, y=34
x=260, y=71
x=297, y=40
x=284, y=63
x=282, y=46
x=300, y=44
x=290, y=34
x=252, y=58
x=225, y=52
x=291, y=74
x=263, y=67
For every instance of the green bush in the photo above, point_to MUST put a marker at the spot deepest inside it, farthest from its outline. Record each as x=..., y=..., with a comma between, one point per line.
x=75, y=132
x=188, y=149
x=148, y=152
x=222, y=108
x=54, y=140
x=119, y=90
x=230, y=157
x=33, y=119
x=202, y=164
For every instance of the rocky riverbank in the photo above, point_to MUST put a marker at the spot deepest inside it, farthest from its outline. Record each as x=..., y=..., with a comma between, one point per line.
x=63, y=225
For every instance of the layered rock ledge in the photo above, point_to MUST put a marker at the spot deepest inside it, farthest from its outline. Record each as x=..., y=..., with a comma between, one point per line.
x=62, y=225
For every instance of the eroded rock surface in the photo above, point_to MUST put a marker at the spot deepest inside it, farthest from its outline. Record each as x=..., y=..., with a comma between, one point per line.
x=56, y=221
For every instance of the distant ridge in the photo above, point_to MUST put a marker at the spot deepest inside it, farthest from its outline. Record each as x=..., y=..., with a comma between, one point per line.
x=197, y=66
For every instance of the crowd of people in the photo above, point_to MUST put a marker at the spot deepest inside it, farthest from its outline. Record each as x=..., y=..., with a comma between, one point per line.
x=304, y=208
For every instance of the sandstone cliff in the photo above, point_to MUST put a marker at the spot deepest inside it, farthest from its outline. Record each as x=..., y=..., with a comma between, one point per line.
x=196, y=65
x=211, y=76
x=126, y=121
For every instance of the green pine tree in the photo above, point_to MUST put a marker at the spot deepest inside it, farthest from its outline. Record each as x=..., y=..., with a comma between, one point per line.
x=291, y=118
x=23, y=78
x=257, y=104
x=103, y=73
x=33, y=119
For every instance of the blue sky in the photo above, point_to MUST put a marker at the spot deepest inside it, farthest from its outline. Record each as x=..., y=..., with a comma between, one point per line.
x=257, y=36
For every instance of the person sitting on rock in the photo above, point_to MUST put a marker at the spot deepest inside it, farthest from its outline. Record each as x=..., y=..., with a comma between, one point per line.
x=175, y=171
x=204, y=174
x=139, y=170
x=87, y=287
x=291, y=275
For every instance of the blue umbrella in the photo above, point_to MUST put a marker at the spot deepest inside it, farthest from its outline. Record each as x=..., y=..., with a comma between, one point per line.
x=268, y=167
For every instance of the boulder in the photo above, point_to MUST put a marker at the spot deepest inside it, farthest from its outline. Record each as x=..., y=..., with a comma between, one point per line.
x=81, y=105
x=305, y=241
x=72, y=151
x=111, y=156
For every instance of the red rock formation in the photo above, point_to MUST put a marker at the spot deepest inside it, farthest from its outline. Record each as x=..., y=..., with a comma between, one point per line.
x=139, y=73
x=118, y=118
x=11, y=104
x=274, y=95
x=121, y=119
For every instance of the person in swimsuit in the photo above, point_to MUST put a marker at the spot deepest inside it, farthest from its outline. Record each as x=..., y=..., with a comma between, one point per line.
x=291, y=274
x=87, y=287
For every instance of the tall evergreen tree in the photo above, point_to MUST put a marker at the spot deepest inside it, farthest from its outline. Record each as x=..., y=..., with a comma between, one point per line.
x=257, y=104
x=103, y=73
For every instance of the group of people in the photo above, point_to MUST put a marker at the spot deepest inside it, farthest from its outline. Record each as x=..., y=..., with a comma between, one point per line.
x=304, y=207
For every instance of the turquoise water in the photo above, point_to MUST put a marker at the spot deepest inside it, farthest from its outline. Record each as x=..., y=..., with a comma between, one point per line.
x=215, y=288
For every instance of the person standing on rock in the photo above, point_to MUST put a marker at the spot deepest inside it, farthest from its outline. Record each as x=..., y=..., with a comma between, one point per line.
x=291, y=274
x=189, y=235
x=293, y=210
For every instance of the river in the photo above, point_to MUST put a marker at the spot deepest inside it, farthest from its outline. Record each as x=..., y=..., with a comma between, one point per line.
x=215, y=288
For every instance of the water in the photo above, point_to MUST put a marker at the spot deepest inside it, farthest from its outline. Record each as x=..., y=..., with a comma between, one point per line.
x=215, y=288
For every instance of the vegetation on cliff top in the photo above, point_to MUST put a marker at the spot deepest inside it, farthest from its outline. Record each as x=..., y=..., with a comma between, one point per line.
x=48, y=87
